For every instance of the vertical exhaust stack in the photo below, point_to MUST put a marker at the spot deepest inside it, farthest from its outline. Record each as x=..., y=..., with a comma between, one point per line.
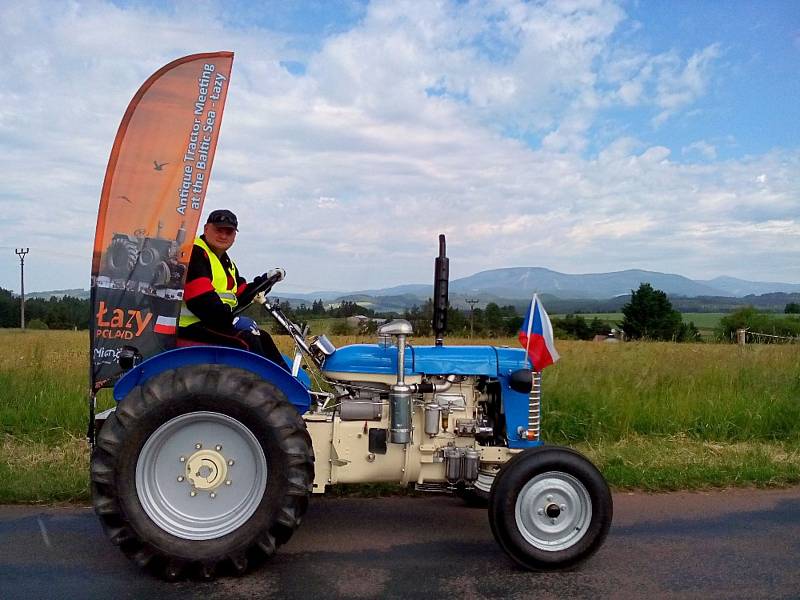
x=441, y=277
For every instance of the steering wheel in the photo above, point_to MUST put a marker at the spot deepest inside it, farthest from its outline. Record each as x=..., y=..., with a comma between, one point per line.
x=273, y=276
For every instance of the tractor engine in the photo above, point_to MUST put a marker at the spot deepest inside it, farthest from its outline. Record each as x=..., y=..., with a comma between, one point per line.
x=391, y=424
x=432, y=415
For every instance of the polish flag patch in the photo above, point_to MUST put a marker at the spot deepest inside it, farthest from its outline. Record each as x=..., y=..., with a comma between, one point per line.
x=166, y=325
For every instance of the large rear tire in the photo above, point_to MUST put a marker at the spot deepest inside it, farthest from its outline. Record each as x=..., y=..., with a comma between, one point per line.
x=202, y=470
x=550, y=508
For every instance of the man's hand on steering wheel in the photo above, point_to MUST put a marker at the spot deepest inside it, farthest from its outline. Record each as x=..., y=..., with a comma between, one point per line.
x=261, y=284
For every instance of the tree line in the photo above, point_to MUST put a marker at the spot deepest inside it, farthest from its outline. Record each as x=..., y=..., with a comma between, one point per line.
x=54, y=313
x=648, y=315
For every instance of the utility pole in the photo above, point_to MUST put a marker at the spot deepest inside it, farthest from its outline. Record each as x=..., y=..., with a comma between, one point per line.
x=472, y=302
x=21, y=253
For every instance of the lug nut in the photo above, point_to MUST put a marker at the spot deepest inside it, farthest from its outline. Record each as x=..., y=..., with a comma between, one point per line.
x=217, y=447
x=553, y=521
x=563, y=507
x=549, y=498
x=198, y=446
x=540, y=511
x=182, y=459
x=180, y=478
x=212, y=495
x=230, y=463
x=193, y=493
x=228, y=482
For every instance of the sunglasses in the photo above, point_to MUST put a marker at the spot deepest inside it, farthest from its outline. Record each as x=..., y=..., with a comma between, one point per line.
x=225, y=223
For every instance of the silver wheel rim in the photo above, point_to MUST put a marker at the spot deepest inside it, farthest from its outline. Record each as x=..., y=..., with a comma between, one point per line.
x=553, y=511
x=201, y=475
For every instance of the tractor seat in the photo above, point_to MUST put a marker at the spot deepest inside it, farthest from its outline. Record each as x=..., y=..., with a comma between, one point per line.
x=184, y=343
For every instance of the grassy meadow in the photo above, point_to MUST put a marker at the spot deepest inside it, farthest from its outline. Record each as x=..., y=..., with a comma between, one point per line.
x=652, y=415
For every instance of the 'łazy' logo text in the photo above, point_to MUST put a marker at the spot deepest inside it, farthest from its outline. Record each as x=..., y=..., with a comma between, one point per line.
x=120, y=324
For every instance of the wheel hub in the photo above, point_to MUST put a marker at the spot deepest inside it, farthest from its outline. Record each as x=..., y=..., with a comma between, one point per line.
x=206, y=469
x=206, y=494
x=553, y=511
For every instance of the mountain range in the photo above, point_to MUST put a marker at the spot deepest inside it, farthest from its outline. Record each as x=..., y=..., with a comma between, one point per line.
x=516, y=285
x=520, y=283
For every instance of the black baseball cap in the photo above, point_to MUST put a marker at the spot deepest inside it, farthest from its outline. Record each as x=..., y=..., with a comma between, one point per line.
x=223, y=218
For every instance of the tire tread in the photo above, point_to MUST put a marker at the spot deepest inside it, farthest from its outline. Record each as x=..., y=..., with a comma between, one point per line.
x=254, y=394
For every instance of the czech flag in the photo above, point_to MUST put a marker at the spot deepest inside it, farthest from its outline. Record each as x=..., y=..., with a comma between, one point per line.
x=536, y=336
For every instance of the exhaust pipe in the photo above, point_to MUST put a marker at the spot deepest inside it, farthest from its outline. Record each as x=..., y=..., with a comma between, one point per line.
x=441, y=277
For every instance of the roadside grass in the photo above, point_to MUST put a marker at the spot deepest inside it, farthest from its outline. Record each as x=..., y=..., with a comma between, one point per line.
x=35, y=471
x=654, y=416
x=657, y=464
x=710, y=392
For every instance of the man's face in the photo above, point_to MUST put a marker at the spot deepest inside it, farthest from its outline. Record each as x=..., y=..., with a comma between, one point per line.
x=219, y=238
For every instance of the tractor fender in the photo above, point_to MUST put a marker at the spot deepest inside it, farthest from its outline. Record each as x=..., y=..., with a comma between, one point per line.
x=295, y=391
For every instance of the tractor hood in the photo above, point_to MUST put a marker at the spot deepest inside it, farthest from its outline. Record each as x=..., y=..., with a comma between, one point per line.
x=427, y=360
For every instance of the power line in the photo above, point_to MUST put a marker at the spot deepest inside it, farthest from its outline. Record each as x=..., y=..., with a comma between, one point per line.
x=21, y=253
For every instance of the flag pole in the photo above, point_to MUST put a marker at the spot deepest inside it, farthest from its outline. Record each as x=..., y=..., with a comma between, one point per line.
x=530, y=327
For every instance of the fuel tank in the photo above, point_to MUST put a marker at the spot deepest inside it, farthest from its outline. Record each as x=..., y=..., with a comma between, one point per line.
x=377, y=359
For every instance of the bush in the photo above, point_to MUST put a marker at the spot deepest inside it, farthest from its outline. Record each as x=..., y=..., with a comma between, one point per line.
x=757, y=322
x=36, y=324
x=341, y=328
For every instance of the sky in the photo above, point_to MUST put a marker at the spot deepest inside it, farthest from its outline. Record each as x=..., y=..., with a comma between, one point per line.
x=582, y=136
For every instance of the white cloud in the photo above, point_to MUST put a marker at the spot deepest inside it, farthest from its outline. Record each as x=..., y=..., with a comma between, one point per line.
x=400, y=128
x=664, y=81
x=701, y=148
x=679, y=85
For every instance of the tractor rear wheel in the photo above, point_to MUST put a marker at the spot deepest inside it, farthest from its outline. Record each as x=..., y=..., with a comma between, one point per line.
x=550, y=508
x=202, y=470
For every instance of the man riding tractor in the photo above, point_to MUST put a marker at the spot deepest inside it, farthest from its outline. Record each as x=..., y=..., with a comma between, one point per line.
x=214, y=288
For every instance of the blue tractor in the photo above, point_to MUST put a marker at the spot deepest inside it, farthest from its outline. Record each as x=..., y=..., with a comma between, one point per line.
x=207, y=462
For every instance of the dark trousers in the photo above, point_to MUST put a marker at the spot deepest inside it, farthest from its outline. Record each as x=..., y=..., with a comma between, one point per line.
x=234, y=338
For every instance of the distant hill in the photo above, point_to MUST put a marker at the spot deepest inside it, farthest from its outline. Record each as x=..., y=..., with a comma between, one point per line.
x=562, y=292
x=740, y=288
x=75, y=293
x=524, y=281
x=521, y=282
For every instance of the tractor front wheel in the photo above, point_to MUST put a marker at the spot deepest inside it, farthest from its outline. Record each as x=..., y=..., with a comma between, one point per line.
x=202, y=469
x=550, y=508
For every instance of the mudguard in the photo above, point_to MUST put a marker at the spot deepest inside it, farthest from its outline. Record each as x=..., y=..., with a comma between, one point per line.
x=294, y=390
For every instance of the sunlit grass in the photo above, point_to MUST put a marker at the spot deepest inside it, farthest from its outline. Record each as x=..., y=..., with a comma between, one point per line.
x=653, y=415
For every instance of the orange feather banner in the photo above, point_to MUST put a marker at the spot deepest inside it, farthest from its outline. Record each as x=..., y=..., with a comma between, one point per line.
x=150, y=205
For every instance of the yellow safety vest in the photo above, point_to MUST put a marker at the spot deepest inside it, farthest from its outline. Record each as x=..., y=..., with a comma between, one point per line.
x=219, y=279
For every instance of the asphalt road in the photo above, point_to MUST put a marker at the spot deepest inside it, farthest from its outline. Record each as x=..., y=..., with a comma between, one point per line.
x=722, y=544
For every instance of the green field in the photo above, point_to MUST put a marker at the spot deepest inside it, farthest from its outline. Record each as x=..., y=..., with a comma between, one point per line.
x=652, y=415
x=706, y=323
x=701, y=320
